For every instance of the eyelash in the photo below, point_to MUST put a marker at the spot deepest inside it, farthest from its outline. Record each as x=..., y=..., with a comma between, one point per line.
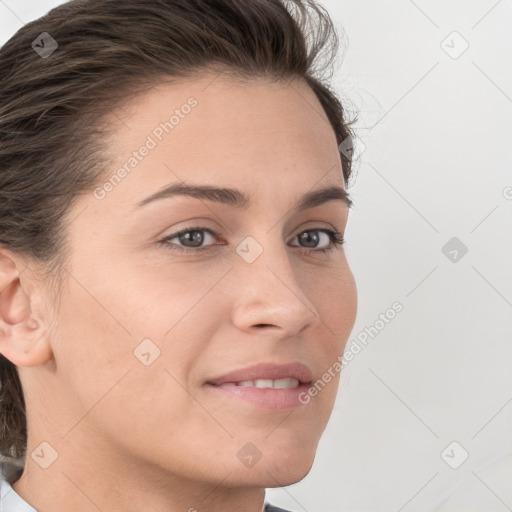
x=337, y=240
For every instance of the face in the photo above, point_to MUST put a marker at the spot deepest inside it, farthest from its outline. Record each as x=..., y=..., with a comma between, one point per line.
x=147, y=317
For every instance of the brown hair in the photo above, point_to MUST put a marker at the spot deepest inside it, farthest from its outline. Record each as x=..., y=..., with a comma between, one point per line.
x=51, y=106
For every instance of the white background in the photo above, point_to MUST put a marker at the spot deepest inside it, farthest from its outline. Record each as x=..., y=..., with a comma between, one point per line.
x=434, y=164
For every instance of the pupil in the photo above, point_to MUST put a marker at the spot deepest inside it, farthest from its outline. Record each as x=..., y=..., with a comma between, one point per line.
x=307, y=237
x=196, y=237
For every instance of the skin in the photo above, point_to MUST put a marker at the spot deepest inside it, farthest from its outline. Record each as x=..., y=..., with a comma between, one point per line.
x=133, y=437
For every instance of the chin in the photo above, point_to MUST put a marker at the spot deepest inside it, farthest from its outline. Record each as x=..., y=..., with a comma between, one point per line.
x=281, y=471
x=286, y=476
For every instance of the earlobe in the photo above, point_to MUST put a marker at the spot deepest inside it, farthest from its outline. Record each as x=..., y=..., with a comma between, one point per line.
x=25, y=344
x=32, y=351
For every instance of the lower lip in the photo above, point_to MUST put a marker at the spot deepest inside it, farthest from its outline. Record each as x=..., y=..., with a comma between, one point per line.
x=276, y=399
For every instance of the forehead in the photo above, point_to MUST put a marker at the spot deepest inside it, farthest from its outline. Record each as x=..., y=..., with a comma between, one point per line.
x=211, y=109
x=217, y=129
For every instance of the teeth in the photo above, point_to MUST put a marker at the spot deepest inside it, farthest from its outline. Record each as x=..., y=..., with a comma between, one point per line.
x=286, y=383
x=266, y=383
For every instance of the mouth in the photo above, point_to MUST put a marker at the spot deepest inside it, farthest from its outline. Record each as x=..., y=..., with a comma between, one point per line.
x=286, y=383
x=268, y=385
x=260, y=375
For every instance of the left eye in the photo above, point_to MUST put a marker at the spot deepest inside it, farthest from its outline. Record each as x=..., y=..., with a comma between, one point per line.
x=195, y=236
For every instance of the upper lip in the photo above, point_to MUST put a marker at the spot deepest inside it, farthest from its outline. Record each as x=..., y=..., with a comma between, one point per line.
x=272, y=371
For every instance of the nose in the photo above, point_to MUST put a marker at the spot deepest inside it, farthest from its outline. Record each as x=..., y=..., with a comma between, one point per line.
x=270, y=297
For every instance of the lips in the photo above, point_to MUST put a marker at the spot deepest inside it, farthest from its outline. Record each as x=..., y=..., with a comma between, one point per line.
x=266, y=371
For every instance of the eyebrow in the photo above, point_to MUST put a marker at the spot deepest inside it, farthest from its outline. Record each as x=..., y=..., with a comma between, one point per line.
x=238, y=199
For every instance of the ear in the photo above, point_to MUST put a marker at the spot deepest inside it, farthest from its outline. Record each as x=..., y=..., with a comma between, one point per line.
x=23, y=338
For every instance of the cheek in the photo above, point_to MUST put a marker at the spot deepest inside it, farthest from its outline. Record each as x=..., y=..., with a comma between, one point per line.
x=107, y=380
x=335, y=298
x=155, y=300
x=347, y=300
x=336, y=302
x=93, y=344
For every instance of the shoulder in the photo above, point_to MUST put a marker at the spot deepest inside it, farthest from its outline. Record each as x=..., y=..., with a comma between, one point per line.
x=272, y=508
x=10, y=500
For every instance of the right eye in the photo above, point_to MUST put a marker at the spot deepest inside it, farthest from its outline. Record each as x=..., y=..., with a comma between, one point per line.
x=194, y=235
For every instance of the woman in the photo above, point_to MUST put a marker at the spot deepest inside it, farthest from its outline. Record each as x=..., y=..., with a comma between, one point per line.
x=173, y=203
